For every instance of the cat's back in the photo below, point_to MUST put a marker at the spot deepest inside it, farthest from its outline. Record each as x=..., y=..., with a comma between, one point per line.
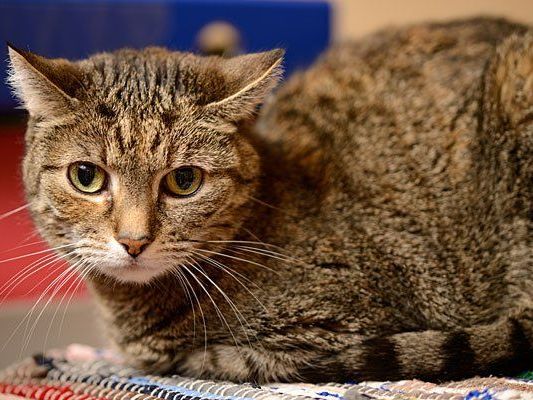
x=388, y=129
x=399, y=101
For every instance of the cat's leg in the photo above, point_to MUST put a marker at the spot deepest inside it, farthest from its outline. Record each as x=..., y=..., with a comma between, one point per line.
x=242, y=364
x=502, y=347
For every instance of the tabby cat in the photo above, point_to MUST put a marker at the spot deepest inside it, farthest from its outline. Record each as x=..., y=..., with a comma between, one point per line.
x=372, y=221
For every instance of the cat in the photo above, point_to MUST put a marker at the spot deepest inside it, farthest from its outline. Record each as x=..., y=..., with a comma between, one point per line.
x=370, y=219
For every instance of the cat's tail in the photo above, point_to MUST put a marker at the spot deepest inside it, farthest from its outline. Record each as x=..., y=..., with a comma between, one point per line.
x=504, y=347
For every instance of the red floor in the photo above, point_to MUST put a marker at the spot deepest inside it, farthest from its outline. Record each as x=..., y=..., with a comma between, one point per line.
x=18, y=238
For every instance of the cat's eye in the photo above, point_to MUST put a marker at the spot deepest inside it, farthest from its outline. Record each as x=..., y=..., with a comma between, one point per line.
x=183, y=181
x=87, y=177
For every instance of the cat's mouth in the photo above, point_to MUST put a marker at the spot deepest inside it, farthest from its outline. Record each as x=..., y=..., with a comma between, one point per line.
x=123, y=267
x=155, y=260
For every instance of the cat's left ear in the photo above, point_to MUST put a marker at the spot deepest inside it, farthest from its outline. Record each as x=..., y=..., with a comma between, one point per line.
x=511, y=80
x=249, y=78
x=46, y=87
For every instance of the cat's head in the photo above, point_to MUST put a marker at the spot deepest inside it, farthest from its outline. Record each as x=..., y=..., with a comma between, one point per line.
x=134, y=159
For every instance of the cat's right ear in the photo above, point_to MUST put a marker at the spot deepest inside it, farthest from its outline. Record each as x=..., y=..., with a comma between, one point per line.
x=46, y=87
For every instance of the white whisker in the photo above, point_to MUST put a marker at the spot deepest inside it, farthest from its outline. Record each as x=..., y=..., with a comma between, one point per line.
x=22, y=245
x=217, y=310
x=268, y=253
x=86, y=269
x=74, y=275
x=37, y=252
x=239, y=259
x=24, y=273
x=50, y=259
x=232, y=273
x=14, y=211
x=232, y=305
x=30, y=312
x=189, y=285
x=268, y=205
x=59, y=281
x=243, y=242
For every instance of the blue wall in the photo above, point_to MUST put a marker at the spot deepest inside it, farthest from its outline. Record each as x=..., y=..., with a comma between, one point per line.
x=77, y=28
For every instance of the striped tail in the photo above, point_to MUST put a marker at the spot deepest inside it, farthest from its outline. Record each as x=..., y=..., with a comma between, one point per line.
x=501, y=348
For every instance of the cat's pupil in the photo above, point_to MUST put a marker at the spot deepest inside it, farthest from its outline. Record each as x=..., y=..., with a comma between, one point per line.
x=184, y=178
x=86, y=174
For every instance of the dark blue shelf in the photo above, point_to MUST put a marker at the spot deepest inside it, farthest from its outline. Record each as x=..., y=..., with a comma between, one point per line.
x=75, y=29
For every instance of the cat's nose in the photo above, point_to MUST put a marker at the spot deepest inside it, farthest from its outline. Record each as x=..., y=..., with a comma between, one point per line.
x=134, y=247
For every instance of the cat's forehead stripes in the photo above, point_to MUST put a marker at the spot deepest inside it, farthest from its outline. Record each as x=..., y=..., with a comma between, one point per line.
x=158, y=147
x=153, y=81
x=149, y=145
x=133, y=80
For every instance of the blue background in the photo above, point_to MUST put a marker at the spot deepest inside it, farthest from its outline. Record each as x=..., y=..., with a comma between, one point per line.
x=75, y=29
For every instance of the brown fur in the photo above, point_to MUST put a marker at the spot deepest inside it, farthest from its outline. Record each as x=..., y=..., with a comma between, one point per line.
x=379, y=212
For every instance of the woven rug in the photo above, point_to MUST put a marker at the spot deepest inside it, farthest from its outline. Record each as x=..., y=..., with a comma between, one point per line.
x=84, y=373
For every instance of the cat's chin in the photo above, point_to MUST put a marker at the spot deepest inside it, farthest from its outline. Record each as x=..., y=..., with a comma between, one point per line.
x=134, y=273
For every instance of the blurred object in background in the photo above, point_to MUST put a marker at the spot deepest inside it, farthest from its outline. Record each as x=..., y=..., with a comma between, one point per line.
x=219, y=39
x=75, y=29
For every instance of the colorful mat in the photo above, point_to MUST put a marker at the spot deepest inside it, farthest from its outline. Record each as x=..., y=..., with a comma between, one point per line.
x=84, y=373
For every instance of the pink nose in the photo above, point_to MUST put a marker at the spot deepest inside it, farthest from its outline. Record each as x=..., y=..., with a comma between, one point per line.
x=134, y=247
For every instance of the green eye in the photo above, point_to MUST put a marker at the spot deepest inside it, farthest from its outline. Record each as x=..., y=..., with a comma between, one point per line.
x=87, y=177
x=183, y=181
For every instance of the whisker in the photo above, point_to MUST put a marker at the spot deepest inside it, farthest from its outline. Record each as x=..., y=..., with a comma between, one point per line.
x=83, y=269
x=48, y=260
x=239, y=259
x=86, y=269
x=61, y=280
x=14, y=211
x=38, y=252
x=32, y=234
x=249, y=232
x=242, y=242
x=187, y=283
x=221, y=266
x=177, y=274
x=232, y=305
x=231, y=272
x=21, y=246
x=52, y=262
x=203, y=319
x=246, y=244
x=264, y=203
x=24, y=273
x=30, y=312
x=272, y=254
x=74, y=275
x=217, y=310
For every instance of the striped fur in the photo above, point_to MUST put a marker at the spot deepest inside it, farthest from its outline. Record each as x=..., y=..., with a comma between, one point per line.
x=374, y=222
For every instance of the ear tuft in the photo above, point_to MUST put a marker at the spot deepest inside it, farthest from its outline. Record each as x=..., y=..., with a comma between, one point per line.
x=46, y=87
x=249, y=79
